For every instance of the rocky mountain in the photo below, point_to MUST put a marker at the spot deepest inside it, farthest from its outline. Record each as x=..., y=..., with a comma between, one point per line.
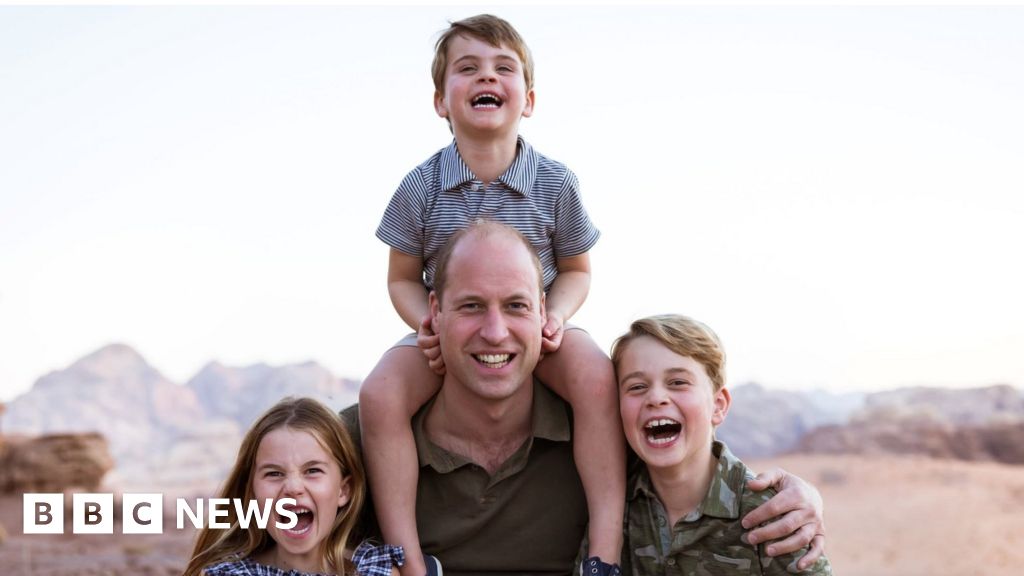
x=162, y=433
x=972, y=424
x=975, y=423
x=764, y=422
x=53, y=462
x=165, y=435
x=973, y=406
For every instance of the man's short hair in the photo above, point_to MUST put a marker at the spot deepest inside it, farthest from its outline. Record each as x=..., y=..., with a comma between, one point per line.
x=481, y=228
x=486, y=28
x=682, y=335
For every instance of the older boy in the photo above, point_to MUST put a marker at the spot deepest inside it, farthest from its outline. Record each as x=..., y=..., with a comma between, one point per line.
x=684, y=507
x=483, y=76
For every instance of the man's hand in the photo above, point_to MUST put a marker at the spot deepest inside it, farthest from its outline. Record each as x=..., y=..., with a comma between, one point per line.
x=796, y=515
x=551, y=334
x=430, y=344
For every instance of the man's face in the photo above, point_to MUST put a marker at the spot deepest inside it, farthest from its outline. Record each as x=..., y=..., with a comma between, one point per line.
x=490, y=320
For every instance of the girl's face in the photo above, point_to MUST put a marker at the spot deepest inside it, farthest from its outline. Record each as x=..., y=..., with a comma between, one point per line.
x=292, y=464
x=668, y=405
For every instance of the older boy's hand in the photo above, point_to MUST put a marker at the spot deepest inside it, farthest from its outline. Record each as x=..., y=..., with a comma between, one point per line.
x=796, y=515
x=551, y=334
x=430, y=344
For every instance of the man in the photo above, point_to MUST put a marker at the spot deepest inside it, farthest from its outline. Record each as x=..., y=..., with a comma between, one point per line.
x=498, y=489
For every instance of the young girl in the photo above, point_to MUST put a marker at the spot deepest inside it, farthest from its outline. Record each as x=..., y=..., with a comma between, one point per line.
x=298, y=449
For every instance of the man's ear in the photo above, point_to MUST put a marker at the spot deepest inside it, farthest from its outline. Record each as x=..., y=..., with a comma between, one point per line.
x=440, y=106
x=722, y=401
x=543, y=309
x=435, y=310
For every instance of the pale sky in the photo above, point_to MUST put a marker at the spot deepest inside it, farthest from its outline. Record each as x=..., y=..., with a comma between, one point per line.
x=838, y=191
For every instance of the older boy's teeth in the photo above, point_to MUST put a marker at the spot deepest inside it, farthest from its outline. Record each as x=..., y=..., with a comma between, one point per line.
x=493, y=360
x=662, y=430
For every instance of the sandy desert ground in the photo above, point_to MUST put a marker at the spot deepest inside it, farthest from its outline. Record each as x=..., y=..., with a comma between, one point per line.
x=886, y=515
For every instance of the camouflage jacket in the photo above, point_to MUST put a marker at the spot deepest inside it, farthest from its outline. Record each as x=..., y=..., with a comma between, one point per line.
x=706, y=542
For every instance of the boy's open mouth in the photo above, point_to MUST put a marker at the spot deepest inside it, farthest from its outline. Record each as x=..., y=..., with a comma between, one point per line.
x=305, y=521
x=493, y=360
x=662, y=430
x=487, y=100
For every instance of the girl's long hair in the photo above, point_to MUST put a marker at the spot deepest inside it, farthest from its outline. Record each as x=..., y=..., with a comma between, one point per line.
x=305, y=414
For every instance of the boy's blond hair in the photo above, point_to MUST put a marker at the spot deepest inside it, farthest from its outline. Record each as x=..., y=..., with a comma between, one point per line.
x=682, y=335
x=486, y=28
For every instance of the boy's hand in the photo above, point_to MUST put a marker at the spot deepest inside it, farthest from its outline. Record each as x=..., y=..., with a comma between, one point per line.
x=430, y=344
x=552, y=334
x=795, y=514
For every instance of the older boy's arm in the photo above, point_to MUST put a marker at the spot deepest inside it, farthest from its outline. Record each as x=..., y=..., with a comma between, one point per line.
x=565, y=297
x=795, y=514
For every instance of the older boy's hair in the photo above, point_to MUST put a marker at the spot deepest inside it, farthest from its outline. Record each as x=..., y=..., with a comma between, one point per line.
x=489, y=29
x=481, y=227
x=682, y=335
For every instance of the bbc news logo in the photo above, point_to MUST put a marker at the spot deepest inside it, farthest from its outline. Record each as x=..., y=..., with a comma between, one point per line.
x=144, y=513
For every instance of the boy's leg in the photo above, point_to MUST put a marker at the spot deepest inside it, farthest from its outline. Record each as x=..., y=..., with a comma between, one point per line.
x=398, y=386
x=583, y=376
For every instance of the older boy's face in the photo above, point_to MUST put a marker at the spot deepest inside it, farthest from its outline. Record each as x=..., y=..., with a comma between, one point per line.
x=668, y=405
x=484, y=89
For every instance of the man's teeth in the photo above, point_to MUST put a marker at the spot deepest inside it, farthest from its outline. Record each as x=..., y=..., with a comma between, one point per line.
x=493, y=360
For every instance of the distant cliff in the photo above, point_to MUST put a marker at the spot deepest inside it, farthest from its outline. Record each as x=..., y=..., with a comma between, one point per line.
x=973, y=424
x=160, y=432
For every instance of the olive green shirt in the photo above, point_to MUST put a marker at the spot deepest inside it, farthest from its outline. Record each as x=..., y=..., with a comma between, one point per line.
x=707, y=541
x=528, y=518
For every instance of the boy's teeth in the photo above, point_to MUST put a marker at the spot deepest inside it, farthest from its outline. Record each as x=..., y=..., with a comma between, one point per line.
x=661, y=422
x=662, y=430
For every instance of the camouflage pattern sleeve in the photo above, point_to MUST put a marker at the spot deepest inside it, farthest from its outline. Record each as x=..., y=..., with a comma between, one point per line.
x=709, y=541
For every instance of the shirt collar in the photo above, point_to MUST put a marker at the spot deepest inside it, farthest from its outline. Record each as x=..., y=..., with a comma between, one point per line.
x=723, y=497
x=550, y=421
x=519, y=176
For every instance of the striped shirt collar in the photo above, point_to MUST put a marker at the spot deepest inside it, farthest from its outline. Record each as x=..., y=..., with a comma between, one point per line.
x=519, y=176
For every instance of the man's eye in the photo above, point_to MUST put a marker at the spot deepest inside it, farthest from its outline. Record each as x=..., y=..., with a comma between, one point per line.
x=678, y=383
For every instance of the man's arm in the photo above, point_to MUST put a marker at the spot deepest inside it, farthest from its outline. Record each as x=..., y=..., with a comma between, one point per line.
x=795, y=514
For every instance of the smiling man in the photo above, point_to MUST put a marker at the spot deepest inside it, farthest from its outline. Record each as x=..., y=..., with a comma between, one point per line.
x=498, y=489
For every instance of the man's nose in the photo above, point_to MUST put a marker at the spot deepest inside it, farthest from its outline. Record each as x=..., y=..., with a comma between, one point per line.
x=495, y=328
